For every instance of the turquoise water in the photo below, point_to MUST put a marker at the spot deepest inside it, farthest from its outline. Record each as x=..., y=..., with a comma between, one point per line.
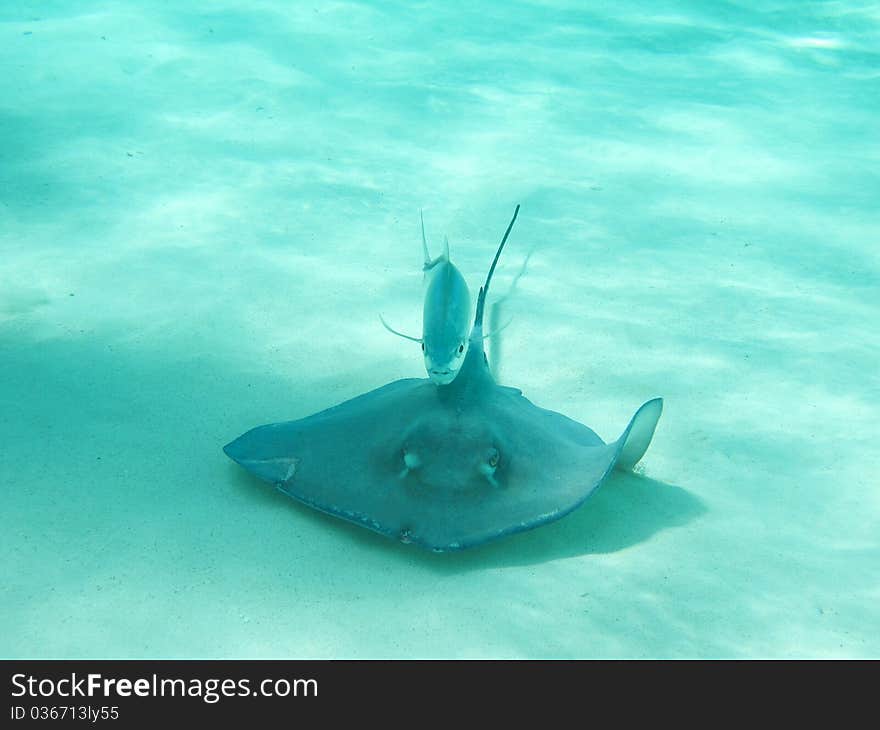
x=203, y=210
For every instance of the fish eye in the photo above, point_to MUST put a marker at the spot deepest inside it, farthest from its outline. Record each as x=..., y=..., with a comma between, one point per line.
x=460, y=349
x=423, y=347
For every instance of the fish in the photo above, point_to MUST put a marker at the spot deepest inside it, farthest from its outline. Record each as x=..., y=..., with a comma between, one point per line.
x=446, y=316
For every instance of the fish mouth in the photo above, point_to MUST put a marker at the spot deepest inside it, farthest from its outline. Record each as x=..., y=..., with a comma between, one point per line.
x=443, y=377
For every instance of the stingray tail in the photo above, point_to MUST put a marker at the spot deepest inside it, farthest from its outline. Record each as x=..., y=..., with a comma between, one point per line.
x=481, y=297
x=639, y=434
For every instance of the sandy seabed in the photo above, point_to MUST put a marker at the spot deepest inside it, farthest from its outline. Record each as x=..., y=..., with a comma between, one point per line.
x=202, y=214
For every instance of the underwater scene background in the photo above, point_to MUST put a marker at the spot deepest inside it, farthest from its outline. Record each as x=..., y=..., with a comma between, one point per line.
x=204, y=207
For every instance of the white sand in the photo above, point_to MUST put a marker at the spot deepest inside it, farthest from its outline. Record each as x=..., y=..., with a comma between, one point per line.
x=202, y=214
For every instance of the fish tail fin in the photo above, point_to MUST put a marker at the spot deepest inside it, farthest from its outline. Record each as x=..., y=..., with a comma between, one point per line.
x=425, y=242
x=429, y=262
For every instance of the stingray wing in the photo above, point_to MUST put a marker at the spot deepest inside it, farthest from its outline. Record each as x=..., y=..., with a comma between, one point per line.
x=553, y=465
x=277, y=451
x=346, y=461
x=339, y=460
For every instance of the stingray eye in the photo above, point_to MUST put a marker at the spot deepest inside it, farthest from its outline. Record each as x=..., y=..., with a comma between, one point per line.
x=487, y=468
x=461, y=348
x=423, y=347
x=411, y=461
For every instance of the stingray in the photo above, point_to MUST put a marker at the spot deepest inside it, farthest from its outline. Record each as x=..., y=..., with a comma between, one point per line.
x=444, y=467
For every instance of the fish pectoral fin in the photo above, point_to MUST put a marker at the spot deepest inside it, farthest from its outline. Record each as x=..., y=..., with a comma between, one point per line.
x=395, y=332
x=499, y=329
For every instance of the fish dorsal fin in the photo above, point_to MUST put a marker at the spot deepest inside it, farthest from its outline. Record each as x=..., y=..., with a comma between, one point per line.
x=481, y=297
